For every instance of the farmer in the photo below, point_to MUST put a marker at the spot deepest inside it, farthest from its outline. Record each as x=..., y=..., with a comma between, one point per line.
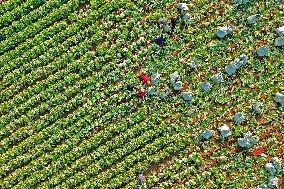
x=160, y=41
x=173, y=22
x=142, y=178
x=146, y=79
x=142, y=92
x=130, y=87
x=163, y=23
x=183, y=8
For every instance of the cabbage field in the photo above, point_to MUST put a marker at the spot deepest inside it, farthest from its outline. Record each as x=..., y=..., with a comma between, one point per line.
x=142, y=94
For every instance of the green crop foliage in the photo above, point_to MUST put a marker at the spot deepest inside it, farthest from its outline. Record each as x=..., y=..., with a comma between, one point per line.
x=75, y=110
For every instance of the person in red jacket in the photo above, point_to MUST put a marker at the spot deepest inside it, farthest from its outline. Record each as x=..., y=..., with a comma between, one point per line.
x=146, y=79
x=258, y=151
x=142, y=92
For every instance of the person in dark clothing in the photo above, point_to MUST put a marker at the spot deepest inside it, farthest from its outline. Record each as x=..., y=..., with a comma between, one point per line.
x=174, y=21
x=130, y=87
x=160, y=41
